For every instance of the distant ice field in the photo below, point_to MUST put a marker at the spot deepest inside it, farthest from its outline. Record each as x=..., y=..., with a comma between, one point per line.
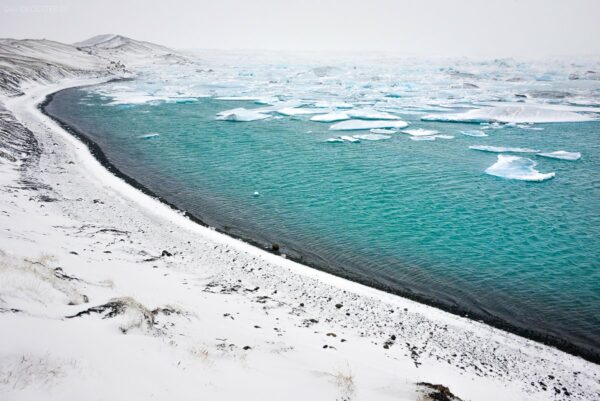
x=356, y=177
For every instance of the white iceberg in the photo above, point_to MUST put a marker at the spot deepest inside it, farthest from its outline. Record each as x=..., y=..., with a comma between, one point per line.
x=502, y=149
x=348, y=138
x=474, y=132
x=372, y=137
x=420, y=132
x=364, y=114
x=330, y=117
x=517, y=168
x=562, y=155
x=351, y=125
x=241, y=115
x=512, y=114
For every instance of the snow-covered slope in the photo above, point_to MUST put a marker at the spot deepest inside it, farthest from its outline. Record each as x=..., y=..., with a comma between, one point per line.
x=127, y=50
x=44, y=61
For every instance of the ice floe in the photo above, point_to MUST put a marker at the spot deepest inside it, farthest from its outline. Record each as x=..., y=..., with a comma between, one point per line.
x=474, y=132
x=326, y=104
x=297, y=111
x=149, y=136
x=502, y=149
x=423, y=138
x=348, y=138
x=517, y=168
x=330, y=117
x=371, y=137
x=238, y=98
x=241, y=114
x=562, y=155
x=430, y=137
x=364, y=114
x=351, y=125
x=420, y=132
x=512, y=114
x=384, y=131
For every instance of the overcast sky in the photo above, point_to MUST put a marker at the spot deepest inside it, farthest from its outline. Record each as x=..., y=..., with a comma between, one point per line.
x=421, y=27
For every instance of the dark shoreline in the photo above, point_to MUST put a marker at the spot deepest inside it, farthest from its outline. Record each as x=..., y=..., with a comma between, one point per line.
x=547, y=339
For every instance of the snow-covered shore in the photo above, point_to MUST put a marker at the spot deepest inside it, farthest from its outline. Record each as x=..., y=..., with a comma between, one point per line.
x=106, y=293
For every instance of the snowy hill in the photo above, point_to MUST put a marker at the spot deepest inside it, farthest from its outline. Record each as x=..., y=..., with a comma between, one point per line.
x=29, y=60
x=25, y=61
x=127, y=50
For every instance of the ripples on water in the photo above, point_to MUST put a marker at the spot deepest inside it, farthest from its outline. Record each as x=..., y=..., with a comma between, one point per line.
x=412, y=216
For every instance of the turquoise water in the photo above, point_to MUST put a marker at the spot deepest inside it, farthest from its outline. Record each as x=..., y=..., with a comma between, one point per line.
x=420, y=218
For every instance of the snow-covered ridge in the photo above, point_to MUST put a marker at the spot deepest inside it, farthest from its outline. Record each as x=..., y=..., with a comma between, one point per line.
x=132, y=51
x=27, y=61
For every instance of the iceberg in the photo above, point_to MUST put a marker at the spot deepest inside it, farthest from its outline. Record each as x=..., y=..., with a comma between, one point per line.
x=420, y=132
x=348, y=138
x=330, y=117
x=512, y=114
x=371, y=115
x=501, y=149
x=562, y=155
x=241, y=115
x=517, y=168
x=474, y=132
x=372, y=137
x=351, y=125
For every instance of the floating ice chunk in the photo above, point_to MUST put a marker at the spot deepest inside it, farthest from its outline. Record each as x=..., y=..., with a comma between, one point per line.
x=182, y=100
x=512, y=114
x=350, y=125
x=149, y=136
x=517, y=168
x=372, y=137
x=474, y=132
x=240, y=98
x=363, y=114
x=241, y=115
x=430, y=137
x=501, y=149
x=348, y=138
x=333, y=105
x=330, y=117
x=420, y=132
x=335, y=140
x=562, y=155
x=384, y=131
x=529, y=127
x=132, y=98
x=256, y=193
x=296, y=111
